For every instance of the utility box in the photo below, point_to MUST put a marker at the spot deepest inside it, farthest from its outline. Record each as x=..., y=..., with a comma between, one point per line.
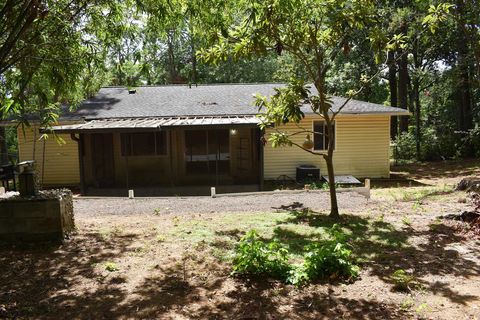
x=307, y=173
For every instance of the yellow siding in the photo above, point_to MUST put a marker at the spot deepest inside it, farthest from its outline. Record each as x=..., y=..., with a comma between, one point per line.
x=61, y=163
x=362, y=148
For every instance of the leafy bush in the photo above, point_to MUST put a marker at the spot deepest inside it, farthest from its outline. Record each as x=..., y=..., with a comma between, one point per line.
x=329, y=260
x=255, y=257
x=437, y=144
x=405, y=147
x=473, y=139
x=403, y=281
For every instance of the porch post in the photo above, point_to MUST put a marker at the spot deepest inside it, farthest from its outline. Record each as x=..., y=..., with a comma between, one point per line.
x=123, y=140
x=170, y=142
x=80, y=144
x=261, y=156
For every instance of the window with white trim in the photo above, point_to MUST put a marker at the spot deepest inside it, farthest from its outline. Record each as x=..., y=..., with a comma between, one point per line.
x=320, y=137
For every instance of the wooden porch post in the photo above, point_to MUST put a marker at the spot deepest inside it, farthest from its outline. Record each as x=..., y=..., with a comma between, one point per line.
x=261, y=156
x=170, y=138
x=123, y=140
x=80, y=144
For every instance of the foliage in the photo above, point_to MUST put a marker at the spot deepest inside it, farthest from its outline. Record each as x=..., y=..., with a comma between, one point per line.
x=12, y=143
x=436, y=146
x=473, y=139
x=111, y=267
x=57, y=59
x=54, y=53
x=404, y=281
x=255, y=257
x=329, y=259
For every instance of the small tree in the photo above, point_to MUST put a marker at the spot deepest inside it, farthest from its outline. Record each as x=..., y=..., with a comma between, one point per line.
x=314, y=32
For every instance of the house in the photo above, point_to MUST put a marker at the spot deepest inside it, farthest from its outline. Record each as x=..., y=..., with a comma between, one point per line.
x=163, y=139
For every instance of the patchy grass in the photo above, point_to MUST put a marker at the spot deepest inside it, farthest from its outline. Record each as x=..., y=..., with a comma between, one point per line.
x=413, y=193
x=291, y=229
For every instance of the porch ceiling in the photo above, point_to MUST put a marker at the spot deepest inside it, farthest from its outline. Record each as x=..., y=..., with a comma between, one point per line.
x=145, y=124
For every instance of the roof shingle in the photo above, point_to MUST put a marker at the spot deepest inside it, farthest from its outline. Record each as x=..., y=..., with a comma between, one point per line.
x=201, y=100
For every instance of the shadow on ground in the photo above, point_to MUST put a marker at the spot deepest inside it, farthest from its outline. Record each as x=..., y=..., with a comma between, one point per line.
x=439, y=169
x=36, y=281
x=383, y=248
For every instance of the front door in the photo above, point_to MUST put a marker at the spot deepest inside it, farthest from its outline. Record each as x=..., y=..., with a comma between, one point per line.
x=102, y=160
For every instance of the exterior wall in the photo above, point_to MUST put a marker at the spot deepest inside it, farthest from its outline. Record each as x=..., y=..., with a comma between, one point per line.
x=61, y=165
x=362, y=148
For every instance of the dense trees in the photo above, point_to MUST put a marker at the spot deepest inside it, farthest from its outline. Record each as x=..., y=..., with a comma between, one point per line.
x=55, y=52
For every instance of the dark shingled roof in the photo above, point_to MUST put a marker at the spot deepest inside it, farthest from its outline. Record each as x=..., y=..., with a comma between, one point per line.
x=201, y=100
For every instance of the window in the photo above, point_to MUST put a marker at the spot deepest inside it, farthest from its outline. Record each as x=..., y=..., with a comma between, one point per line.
x=321, y=138
x=144, y=144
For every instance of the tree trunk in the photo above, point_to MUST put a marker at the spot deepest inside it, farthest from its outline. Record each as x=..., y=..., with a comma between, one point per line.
x=325, y=112
x=418, y=132
x=121, y=62
x=3, y=146
x=171, y=57
x=194, y=56
x=392, y=82
x=403, y=89
x=334, y=213
x=464, y=107
x=416, y=101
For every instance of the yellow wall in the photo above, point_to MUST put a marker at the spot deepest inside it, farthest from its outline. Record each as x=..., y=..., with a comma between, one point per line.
x=61, y=160
x=362, y=148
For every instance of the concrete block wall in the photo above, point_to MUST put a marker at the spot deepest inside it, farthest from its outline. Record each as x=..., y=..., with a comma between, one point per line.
x=41, y=219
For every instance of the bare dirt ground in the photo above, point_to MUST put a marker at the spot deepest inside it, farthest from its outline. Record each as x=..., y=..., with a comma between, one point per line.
x=170, y=258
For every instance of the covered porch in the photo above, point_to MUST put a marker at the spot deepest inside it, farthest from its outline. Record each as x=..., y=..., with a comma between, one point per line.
x=168, y=156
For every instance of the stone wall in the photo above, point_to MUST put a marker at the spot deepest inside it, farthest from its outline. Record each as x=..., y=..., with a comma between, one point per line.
x=48, y=216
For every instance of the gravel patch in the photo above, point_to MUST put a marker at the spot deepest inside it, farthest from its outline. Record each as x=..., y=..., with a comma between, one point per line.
x=317, y=201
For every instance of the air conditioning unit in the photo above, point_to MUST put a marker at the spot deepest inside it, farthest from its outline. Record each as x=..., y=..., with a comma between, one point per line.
x=307, y=173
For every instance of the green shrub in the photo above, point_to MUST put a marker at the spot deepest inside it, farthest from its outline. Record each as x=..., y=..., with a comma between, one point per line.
x=328, y=260
x=255, y=257
x=331, y=259
x=403, y=281
x=434, y=145
x=472, y=139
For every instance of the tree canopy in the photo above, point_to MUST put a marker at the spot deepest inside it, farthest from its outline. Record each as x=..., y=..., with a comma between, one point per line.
x=426, y=55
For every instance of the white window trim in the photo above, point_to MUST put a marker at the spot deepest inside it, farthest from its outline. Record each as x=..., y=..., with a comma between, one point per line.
x=334, y=139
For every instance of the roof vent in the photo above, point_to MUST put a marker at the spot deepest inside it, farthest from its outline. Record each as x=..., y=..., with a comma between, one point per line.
x=132, y=91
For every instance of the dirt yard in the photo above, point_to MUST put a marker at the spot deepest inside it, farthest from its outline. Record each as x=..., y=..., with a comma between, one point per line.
x=170, y=258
